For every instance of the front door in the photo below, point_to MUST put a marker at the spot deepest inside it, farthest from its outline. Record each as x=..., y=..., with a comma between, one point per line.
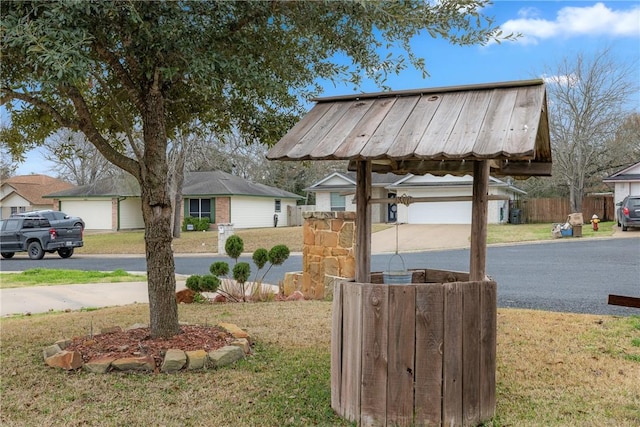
x=392, y=209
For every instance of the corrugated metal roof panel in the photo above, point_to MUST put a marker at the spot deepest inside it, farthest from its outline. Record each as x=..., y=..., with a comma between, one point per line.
x=414, y=131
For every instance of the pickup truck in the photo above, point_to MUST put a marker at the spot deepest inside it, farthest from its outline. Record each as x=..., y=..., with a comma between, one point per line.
x=35, y=235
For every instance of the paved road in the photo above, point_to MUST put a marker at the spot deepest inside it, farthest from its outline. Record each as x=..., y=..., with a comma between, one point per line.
x=569, y=275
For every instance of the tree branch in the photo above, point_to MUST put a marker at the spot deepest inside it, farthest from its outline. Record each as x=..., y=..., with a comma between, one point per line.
x=8, y=94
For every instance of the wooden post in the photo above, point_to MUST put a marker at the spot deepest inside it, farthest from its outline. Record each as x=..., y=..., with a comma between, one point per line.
x=363, y=222
x=477, y=268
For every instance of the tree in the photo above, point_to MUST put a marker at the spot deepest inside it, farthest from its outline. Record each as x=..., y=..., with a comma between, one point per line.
x=110, y=69
x=7, y=166
x=587, y=101
x=75, y=159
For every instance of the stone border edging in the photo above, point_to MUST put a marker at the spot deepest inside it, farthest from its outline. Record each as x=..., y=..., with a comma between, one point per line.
x=174, y=359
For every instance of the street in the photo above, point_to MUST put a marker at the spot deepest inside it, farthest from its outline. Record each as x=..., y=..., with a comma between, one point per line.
x=565, y=275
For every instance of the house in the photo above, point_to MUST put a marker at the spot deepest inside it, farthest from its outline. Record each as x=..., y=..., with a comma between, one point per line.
x=115, y=204
x=336, y=191
x=25, y=193
x=626, y=182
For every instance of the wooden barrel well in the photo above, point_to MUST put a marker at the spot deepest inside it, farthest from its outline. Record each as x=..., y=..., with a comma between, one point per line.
x=414, y=354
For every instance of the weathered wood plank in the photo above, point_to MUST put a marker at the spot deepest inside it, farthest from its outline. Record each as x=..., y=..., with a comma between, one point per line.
x=488, y=332
x=471, y=352
x=351, y=351
x=463, y=137
x=429, y=347
x=299, y=130
x=384, y=136
x=435, y=138
x=400, y=380
x=521, y=137
x=496, y=123
x=624, y=301
x=352, y=145
x=444, y=276
x=320, y=129
x=375, y=317
x=452, y=357
x=479, y=211
x=411, y=133
x=343, y=129
x=336, y=347
x=363, y=222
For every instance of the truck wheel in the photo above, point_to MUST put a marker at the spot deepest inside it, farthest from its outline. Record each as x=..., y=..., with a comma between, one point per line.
x=35, y=250
x=7, y=255
x=65, y=252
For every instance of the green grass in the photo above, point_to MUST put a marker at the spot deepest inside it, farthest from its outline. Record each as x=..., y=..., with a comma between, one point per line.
x=511, y=233
x=553, y=369
x=48, y=277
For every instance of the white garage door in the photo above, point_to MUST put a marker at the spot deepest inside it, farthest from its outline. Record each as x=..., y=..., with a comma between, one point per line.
x=440, y=213
x=95, y=213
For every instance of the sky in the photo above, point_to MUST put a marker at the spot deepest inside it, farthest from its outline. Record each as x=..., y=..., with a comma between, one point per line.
x=551, y=31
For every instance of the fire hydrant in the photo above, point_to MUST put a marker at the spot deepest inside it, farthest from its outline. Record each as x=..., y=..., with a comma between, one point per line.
x=594, y=222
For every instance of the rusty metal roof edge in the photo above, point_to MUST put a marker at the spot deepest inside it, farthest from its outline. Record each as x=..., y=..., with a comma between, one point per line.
x=426, y=91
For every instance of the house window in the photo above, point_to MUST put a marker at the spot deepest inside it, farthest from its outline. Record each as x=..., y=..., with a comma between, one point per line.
x=278, y=205
x=337, y=202
x=200, y=208
x=14, y=210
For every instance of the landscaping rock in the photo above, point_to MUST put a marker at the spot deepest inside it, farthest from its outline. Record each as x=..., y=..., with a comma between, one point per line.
x=296, y=296
x=225, y=356
x=99, y=366
x=63, y=343
x=196, y=359
x=185, y=296
x=111, y=330
x=235, y=331
x=50, y=351
x=144, y=363
x=67, y=360
x=174, y=360
x=243, y=343
x=136, y=326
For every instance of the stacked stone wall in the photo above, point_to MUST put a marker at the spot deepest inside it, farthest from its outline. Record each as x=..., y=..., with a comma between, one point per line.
x=328, y=251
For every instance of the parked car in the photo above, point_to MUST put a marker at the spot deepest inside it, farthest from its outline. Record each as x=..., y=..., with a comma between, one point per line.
x=35, y=235
x=56, y=218
x=628, y=213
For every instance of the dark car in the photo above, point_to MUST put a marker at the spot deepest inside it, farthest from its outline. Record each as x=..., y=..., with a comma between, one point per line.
x=56, y=218
x=629, y=212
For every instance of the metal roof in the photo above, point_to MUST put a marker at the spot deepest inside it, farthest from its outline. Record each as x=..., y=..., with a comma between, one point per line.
x=439, y=131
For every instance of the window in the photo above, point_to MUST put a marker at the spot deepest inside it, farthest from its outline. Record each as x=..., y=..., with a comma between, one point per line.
x=278, y=205
x=14, y=210
x=200, y=208
x=337, y=202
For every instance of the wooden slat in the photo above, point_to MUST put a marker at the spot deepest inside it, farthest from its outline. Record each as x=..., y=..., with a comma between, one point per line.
x=317, y=133
x=463, y=137
x=357, y=139
x=496, y=124
x=488, y=331
x=479, y=211
x=342, y=129
x=429, y=347
x=363, y=222
x=411, y=133
x=384, y=136
x=452, y=357
x=471, y=352
x=291, y=139
x=375, y=318
x=624, y=301
x=351, y=351
x=336, y=347
x=525, y=112
x=402, y=309
x=444, y=120
x=438, y=199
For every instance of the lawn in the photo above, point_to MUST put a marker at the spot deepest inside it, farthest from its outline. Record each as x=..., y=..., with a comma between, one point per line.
x=132, y=242
x=553, y=369
x=50, y=277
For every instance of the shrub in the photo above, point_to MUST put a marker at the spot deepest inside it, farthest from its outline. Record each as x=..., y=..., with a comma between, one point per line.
x=219, y=268
x=199, y=224
x=193, y=282
x=278, y=254
x=209, y=283
x=260, y=257
x=234, y=246
x=241, y=272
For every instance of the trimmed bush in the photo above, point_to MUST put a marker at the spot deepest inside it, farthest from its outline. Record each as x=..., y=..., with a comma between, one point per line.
x=234, y=246
x=209, y=283
x=260, y=257
x=219, y=268
x=199, y=224
x=241, y=272
x=278, y=254
x=193, y=282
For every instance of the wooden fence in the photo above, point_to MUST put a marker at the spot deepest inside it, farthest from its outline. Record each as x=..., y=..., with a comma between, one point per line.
x=558, y=209
x=294, y=214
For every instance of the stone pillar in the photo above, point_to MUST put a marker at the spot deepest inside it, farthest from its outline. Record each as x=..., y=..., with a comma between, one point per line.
x=328, y=251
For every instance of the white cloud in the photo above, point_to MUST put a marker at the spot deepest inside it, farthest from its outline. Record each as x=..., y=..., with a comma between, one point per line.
x=570, y=21
x=561, y=80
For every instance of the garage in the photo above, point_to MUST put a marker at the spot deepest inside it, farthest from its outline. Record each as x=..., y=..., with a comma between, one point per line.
x=440, y=213
x=95, y=213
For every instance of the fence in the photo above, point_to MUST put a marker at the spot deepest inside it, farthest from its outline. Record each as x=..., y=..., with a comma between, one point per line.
x=294, y=214
x=558, y=209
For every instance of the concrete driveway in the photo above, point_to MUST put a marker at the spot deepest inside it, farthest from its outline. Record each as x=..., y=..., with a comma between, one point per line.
x=421, y=237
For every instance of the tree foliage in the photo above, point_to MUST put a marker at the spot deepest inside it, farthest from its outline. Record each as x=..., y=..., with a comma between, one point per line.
x=116, y=70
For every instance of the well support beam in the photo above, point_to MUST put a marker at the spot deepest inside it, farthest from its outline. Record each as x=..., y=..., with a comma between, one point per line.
x=363, y=222
x=479, y=211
